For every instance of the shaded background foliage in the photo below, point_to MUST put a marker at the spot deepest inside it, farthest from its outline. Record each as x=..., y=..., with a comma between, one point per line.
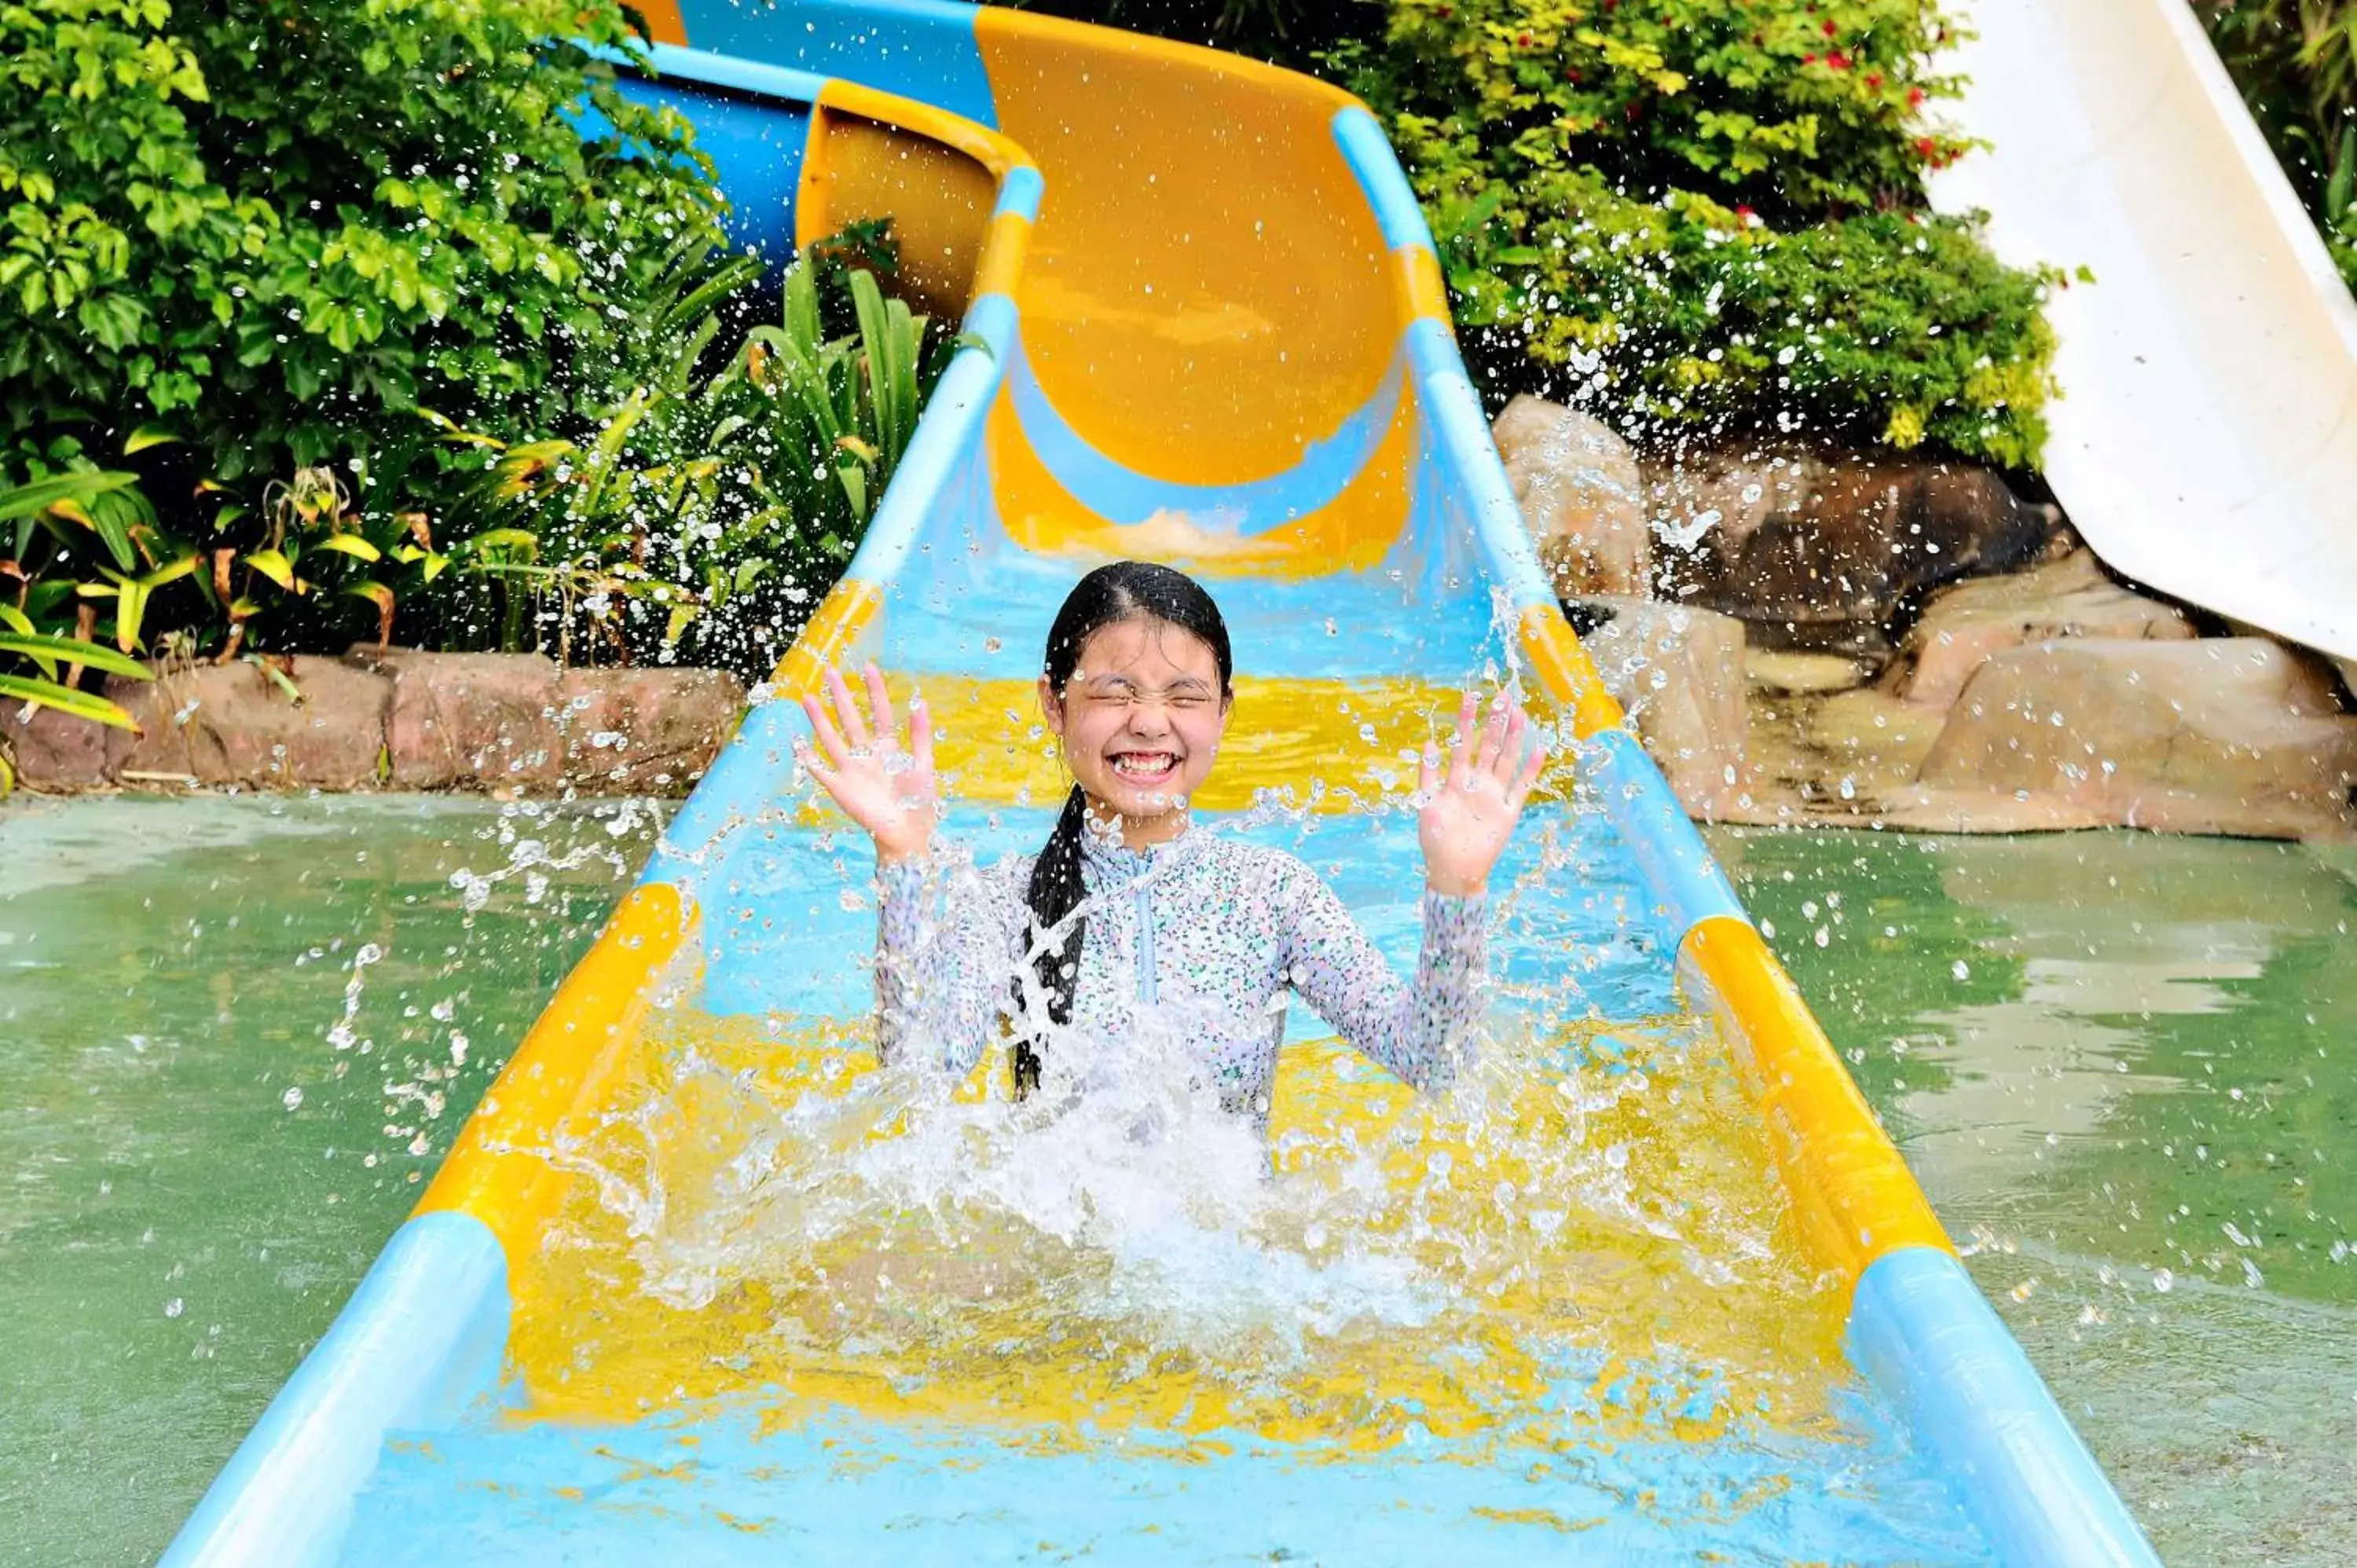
x=2295, y=63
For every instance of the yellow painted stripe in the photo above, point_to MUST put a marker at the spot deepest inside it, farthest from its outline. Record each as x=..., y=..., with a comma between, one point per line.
x=829, y=637
x=1855, y=1197
x=1567, y=672
x=985, y=146
x=499, y=1171
x=1005, y=245
x=1424, y=292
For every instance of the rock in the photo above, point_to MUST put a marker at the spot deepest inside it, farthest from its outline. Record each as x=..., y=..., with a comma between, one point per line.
x=470, y=721
x=1817, y=551
x=645, y=731
x=1678, y=672
x=2070, y=597
x=235, y=725
x=1582, y=495
x=54, y=751
x=491, y=720
x=2225, y=735
x=1804, y=674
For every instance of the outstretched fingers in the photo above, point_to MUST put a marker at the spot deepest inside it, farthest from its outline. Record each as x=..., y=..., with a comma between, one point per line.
x=846, y=710
x=1526, y=777
x=879, y=703
x=921, y=733
x=830, y=739
x=1513, y=733
x=1460, y=766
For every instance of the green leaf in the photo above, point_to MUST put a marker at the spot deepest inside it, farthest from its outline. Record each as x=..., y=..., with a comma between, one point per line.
x=272, y=564
x=353, y=545
x=147, y=436
x=39, y=646
x=66, y=700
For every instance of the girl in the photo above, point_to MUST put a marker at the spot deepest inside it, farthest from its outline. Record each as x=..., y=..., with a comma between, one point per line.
x=1129, y=913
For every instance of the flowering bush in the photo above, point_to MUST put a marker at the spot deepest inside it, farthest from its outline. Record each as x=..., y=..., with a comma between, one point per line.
x=1707, y=216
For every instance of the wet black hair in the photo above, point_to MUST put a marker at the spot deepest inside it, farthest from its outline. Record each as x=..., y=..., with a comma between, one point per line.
x=1125, y=590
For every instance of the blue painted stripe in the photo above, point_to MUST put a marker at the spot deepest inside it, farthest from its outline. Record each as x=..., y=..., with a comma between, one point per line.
x=420, y=1340
x=946, y=435
x=992, y=318
x=742, y=783
x=674, y=63
x=1122, y=495
x=1684, y=880
x=1020, y=192
x=919, y=48
x=1921, y=1331
x=1368, y=154
x=1461, y=432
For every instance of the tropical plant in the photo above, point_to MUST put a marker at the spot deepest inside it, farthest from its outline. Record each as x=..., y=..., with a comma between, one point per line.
x=56, y=662
x=710, y=512
x=1706, y=216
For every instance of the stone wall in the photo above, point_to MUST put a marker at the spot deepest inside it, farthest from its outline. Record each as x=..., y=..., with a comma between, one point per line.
x=392, y=719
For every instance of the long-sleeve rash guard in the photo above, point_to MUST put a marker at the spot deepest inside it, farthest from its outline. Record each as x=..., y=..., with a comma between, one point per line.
x=1206, y=933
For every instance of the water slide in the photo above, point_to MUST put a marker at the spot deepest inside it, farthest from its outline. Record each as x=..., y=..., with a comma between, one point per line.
x=2206, y=440
x=699, y=1283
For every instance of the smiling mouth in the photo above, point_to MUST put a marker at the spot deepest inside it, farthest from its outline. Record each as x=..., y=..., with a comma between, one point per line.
x=1145, y=766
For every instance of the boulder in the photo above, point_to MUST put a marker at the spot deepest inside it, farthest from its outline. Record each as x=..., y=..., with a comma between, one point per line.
x=1678, y=673
x=240, y=724
x=1964, y=625
x=470, y=721
x=1582, y=495
x=53, y=750
x=1816, y=552
x=2223, y=735
x=508, y=721
x=1795, y=674
x=645, y=731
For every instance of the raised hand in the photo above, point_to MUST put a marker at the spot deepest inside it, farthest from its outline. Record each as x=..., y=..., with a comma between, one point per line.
x=885, y=788
x=1470, y=809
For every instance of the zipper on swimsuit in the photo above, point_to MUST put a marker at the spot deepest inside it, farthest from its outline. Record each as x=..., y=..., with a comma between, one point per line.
x=1145, y=984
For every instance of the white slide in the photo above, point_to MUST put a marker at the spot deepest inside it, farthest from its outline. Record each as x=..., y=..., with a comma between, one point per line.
x=2206, y=440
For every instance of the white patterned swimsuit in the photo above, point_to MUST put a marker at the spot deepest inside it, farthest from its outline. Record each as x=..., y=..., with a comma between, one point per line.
x=1205, y=933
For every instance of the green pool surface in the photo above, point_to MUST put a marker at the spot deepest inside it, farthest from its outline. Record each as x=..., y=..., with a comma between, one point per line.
x=236, y=1034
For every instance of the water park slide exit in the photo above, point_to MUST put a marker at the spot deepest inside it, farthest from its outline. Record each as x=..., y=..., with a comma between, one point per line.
x=2206, y=440
x=1169, y=262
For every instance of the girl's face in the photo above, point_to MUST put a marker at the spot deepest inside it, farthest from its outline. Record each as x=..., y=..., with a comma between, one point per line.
x=1141, y=719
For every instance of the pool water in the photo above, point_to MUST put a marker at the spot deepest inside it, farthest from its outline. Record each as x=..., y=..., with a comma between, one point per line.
x=2136, y=1069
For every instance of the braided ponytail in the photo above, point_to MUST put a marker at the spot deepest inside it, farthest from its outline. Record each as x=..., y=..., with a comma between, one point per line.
x=1055, y=894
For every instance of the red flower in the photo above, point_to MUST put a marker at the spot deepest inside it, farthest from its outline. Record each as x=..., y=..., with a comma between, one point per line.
x=1838, y=60
x=1914, y=98
x=1744, y=216
x=1925, y=145
x=1572, y=77
x=1874, y=81
x=1808, y=59
x=1523, y=39
x=1829, y=27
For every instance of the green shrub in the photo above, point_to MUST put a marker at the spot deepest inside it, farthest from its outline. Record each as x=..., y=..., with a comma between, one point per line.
x=1706, y=216
x=273, y=231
